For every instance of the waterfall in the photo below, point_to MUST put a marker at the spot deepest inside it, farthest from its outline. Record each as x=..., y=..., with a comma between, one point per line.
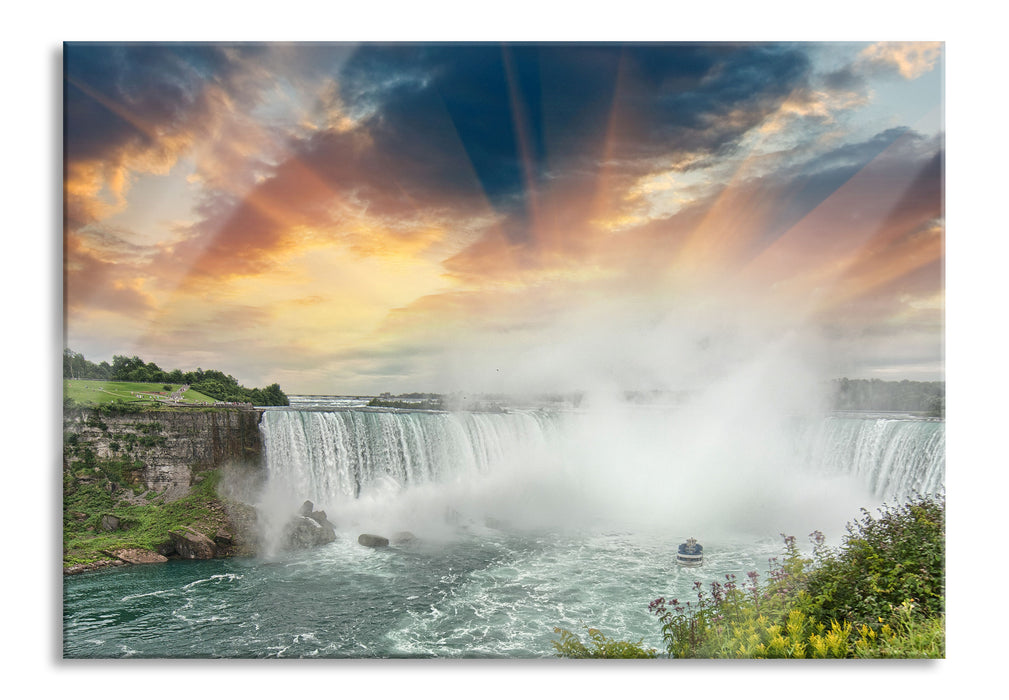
x=893, y=456
x=330, y=456
x=343, y=455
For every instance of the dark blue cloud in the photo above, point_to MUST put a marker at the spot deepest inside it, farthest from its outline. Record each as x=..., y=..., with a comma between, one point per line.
x=908, y=158
x=117, y=94
x=544, y=110
x=525, y=114
x=895, y=158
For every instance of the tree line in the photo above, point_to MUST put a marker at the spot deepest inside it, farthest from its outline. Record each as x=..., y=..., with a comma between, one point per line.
x=212, y=382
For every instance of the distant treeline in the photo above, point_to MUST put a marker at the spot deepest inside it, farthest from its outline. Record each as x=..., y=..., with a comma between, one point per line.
x=213, y=383
x=928, y=398
x=486, y=403
x=433, y=404
x=879, y=395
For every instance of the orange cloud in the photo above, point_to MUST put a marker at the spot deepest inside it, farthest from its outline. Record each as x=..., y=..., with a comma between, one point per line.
x=910, y=59
x=92, y=282
x=884, y=261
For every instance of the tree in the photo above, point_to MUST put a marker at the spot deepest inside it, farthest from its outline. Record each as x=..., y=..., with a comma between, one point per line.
x=123, y=366
x=73, y=364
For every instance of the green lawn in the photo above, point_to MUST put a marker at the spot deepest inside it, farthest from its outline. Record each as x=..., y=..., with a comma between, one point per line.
x=95, y=392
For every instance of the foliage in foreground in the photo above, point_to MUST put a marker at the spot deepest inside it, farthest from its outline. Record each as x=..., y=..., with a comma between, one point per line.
x=600, y=647
x=880, y=595
x=885, y=561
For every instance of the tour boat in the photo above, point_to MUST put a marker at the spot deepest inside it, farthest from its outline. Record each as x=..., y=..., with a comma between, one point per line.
x=690, y=552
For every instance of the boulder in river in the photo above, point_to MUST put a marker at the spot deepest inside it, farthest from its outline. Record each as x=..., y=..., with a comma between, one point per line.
x=303, y=532
x=307, y=528
x=372, y=540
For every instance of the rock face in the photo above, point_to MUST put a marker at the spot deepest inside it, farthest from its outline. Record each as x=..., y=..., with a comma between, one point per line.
x=372, y=540
x=158, y=456
x=190, y=544
x=172, y=480
x=137, y=556
x=170, y=447
x=239, y=536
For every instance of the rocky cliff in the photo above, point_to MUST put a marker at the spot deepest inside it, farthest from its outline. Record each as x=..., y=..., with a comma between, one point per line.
x=163, y=451
x=180, y=483
x=140, y=487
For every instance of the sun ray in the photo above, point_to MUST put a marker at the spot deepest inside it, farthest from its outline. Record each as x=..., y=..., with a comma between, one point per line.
x=725, y=234
x=808, y=265
x=520, y=121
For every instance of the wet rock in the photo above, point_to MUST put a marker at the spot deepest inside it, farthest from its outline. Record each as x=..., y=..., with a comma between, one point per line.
x=306, y=509
x=303, y=532
x=190, y=544
x=137, y=556
x=372, y=540
x=92, y=566
x=495, y=523
x=165, y=548
x=223, y=538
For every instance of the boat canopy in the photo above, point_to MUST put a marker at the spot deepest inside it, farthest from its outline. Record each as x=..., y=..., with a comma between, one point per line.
x=691, y=546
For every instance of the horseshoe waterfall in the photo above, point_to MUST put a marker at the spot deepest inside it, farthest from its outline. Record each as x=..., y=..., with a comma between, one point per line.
x=502, y=525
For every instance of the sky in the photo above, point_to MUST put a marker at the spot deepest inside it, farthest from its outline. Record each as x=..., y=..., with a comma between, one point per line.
x=355, y=218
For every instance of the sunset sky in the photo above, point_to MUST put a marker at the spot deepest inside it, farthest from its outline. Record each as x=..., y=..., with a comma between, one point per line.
x=360, y=218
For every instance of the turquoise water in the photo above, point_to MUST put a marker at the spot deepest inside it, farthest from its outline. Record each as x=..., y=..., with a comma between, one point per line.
x=482, y=594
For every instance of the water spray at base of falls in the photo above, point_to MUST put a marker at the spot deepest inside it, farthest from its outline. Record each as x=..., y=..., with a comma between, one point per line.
x=638, y=468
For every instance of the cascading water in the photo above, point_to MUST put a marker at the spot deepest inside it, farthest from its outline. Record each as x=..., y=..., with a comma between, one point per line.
x=649, y=462
x=893, y=456
x=330, y=456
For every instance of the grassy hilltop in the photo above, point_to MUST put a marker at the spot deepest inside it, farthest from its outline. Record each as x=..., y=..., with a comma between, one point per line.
x=129, y=382
x=98, y=392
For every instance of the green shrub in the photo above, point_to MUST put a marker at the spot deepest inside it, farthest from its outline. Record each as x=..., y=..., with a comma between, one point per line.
x=905, y=636
x=884, y=561
x=570, y=646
